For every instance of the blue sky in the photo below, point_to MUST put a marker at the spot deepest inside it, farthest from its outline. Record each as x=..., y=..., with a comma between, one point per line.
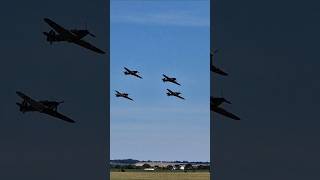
x=156, y=38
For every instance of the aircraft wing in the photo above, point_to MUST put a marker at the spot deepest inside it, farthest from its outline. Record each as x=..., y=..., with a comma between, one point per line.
x=218, y=71
x=127, y=69
x=224, y=112
x=138, y=76
x=128, y=98
x=170, y=91
x=36, y=105
x=180, y=97
x=88, y=46
x=165, y=76
x=59, y=29
x=58, y=115
x=176, y=83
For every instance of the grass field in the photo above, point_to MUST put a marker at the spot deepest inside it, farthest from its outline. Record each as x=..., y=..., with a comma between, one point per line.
x=160, y=176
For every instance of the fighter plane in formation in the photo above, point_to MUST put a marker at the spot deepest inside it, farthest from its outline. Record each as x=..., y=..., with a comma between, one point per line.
x=46, y=107
x=75, y=36
x=176, y=94
x=132, y=73
x=214, y=68
x=169, y=79
x=214, y=106
x=124, y=95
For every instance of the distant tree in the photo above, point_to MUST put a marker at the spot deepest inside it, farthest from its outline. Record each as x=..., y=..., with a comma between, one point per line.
x=117, y=166
x=130, y=167
x=146, y=166
x=124, y=161
x=177, y=166
x=170, y=167
x=188, y=167
x=122, y=170
x=202, y=167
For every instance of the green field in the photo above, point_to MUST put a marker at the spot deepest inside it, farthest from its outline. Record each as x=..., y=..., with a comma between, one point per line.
x=160, y=176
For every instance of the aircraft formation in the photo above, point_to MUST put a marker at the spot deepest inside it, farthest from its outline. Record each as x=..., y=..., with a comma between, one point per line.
x=56, y=34
x=215, y=102
x=164, y=79
x=75, y=36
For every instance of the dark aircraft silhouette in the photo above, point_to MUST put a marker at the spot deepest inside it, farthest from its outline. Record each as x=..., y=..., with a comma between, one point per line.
x=169, y=79
x=75, y=36
x=214, y=106
x=133, y=73
x=176, y=94
x=46, y=107
x=124, y=95
x=214, y=68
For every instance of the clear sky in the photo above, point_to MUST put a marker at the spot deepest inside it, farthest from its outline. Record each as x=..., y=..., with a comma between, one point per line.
x=155, y=38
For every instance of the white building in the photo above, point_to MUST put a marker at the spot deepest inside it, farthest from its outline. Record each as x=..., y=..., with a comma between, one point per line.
x=149, y=169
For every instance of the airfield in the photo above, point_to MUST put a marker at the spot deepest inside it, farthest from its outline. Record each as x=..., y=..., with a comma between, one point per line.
x=136, y=175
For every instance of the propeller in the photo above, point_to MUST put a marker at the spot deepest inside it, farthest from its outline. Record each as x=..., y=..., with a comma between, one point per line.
x=52, y=33
x=50, y=36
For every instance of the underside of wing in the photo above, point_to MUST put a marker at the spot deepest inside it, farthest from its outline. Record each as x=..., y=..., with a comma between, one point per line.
x=58, y=115
x=225, y=113
x=88, y=46
x=57, y=27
